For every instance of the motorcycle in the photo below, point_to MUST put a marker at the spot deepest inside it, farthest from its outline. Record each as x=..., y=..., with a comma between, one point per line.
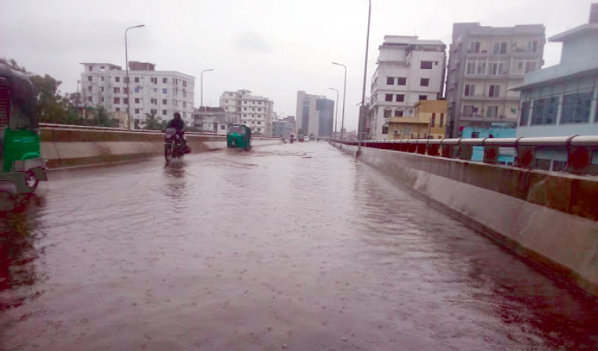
x=174, y=146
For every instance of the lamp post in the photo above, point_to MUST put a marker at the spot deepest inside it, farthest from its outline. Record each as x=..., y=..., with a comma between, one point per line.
x=205, y=70
x=344, y=95
x=336, y=109
x=127, y=70
x=362, y=110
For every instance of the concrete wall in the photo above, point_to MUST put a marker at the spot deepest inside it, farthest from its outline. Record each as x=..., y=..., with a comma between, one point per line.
x=64, y=147
x=550, y=218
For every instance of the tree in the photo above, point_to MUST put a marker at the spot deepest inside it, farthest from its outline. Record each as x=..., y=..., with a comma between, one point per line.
x=50, y=105
x=153, y=122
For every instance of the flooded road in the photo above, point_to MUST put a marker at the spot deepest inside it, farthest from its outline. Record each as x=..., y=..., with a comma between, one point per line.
x=287, y=247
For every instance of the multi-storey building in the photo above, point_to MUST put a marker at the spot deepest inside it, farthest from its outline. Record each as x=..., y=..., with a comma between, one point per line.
x=213, y=119
x=282, y=128
x=484, y=63
x=161, y=93
x=409, y=70
x=428, y=121
x=253, y=111
x=315, y=115
x=562, y=100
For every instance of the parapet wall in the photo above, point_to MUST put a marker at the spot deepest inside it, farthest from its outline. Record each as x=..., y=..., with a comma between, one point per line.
x=76, y=146
x=549, y=217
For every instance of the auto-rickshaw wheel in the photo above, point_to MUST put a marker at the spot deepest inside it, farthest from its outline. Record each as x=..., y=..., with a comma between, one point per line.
x=28, y=183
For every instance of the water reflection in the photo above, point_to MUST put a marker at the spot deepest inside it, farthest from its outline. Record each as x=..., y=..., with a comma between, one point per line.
x=18, y=234
x=175, y=185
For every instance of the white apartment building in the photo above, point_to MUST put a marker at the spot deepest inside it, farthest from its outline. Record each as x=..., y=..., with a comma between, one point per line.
x=409, y=70
x=253, y=111
x=159, y=92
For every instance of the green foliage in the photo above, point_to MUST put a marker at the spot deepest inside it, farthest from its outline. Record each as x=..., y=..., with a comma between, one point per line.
x=152, y=122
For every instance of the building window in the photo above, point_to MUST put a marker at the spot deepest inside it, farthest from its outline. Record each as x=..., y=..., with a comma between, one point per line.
x=116, y=90
x=474, y=47
x=494, y=91
x=469, y=90
x=117, y=100
x=89, y=88
x=118, y=109
x=497, y=69
x=475, y=135
x=102, y=79
x=184, y=104
x=164, y=80
x=388, y=97
x=164, y=91
x=90, y=68
x=407, y=130
x=164, y=112
x=433, y=120
x=398, y=113
x=89, y=78
x=222, y=127
x=524, y=113
x=153, y=111
x=117, y=79
x=532, y=45
x=423, y=97
x=500, y=48
x=154, y=80
x=401, y=81
x=136, y=111
x=154, y=101
x=441, y=120
x=469, y=110
x=426, y=65
x=89, y=98
x=531, y=66
x=492, y=111
x=259, y=129
x=576, y=108
x=384, y=129
x=125, y=101
x=389, y=81
x=136, y=100
x=258, y=122
x=137, y=89
x=424, y=82
x=387, y=113
x=400, y=97
x=102, y=89
x=101, y=99
x=545, y=111
x=164, y=102
x=126, y=90
x=136, y=79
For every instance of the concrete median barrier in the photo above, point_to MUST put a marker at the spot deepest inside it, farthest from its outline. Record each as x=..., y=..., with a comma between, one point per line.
x=548, y=217
x=77, y=146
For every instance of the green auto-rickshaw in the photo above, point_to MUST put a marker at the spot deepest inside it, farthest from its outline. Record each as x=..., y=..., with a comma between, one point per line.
x=239, y=136
x=21, y=160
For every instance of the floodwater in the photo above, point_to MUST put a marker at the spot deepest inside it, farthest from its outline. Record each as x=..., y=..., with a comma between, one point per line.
x=286, y=247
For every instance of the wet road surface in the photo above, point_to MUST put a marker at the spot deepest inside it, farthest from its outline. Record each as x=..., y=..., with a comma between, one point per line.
x=292, y=247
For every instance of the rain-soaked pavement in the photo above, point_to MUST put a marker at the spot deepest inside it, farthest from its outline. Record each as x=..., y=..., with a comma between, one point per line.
x=292, y=247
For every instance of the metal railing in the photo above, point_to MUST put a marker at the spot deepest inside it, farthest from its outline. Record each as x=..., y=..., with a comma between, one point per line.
x=579, y=150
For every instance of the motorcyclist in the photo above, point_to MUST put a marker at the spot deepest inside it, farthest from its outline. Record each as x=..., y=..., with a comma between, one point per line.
x=178, y=124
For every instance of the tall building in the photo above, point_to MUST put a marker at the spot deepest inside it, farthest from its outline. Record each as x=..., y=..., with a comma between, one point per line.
x=282, y=128
x=562, y=100
x=152, y=92
x=409, y=70
x=253, y=111
x=484, y=63
x=315, y=115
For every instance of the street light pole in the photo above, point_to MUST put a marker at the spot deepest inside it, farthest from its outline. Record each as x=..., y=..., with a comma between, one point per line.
x=344, y=96
x=205, y=70
x=127, y=70
x=336, y=109
x=362, y=111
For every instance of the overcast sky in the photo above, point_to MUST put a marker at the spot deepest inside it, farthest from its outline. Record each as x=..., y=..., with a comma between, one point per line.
x=272, y=47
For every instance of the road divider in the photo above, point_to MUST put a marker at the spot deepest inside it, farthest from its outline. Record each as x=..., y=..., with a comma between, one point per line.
x=550, y=218
x=67, y=146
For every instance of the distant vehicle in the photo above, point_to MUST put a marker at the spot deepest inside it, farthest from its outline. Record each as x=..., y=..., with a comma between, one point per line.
x=292, y=138
x=301, y=138
x=173, y=144
x=22, y=162
x=306, y=138
x=238, y=136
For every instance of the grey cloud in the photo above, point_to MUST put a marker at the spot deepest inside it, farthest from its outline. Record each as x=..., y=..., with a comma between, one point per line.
x=252, y=41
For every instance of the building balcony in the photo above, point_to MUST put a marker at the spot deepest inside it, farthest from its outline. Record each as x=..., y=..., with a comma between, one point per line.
x=481, y=118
